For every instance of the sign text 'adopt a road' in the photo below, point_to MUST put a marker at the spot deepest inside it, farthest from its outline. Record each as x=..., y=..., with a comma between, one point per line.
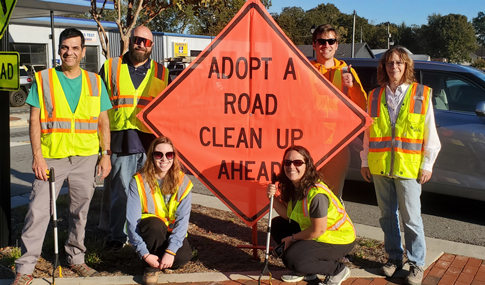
x=245, y=99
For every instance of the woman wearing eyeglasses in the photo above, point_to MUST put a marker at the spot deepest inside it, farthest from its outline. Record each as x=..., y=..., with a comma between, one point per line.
x=158, y=210
x=400, y=148
x=325, y=44
x=313, y=224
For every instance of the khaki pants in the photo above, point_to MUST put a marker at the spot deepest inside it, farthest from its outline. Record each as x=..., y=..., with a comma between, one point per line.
x=80, y=173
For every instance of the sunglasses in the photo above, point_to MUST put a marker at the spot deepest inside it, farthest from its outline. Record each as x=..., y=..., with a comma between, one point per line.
x=139, y=40
x=158, y=155
x=324, y=41
x=297, y=162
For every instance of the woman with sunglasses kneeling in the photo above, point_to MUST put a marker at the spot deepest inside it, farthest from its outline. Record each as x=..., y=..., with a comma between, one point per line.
x=158, y=210
x=313, y=224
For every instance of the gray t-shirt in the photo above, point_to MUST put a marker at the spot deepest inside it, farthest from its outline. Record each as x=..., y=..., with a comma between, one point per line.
x=319, y=206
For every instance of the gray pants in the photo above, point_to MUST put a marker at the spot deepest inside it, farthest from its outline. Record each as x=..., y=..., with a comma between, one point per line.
x=80, y=173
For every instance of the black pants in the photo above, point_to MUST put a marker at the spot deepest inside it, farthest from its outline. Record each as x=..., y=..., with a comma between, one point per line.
x=308, y=257
x=155, y=234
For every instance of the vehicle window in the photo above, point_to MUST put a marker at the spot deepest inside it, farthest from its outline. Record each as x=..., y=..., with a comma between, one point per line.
x=454, y=93
x=23, y=72
x=368, y=78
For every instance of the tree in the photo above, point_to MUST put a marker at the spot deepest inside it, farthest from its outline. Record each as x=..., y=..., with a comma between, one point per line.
x=292, y=21
x=479, y=25
x=450, y=36
x=138, y=12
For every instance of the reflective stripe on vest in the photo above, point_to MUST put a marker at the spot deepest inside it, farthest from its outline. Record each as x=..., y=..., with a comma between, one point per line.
x=153, y=204
x=340, y=229
x=126, y=100
x=397, y=150
x=64, y=133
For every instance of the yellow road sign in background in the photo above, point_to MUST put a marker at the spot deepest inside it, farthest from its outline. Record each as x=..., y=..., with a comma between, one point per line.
x=6, y=9
x=9, y=71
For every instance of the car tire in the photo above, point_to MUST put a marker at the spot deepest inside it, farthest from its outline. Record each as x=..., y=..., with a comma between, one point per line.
x=17, y=98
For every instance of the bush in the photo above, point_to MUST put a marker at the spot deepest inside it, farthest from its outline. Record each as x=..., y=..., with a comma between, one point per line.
x=479, y=63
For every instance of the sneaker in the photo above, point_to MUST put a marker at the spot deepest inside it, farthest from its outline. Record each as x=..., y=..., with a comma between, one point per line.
x=84, y=270
x=415, y=276
x=293, y=277
x=391, y=267
x=150, y=277
x=337, y=279
x=22, y=279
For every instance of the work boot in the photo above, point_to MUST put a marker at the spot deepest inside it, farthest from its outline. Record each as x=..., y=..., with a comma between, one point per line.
x=84, y=270
x=337, y=279
x=391, y=267
x=22, y=279
x=415, y=276
x=150, y=277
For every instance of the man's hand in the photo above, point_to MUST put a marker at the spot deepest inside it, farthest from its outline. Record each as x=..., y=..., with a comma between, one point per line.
x=347, y=78
x=424, y=176
x=365, y=171
x=167, y=261
x=104, y=166
x=39, y=166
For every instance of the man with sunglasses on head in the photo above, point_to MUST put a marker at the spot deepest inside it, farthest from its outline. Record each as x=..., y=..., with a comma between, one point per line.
x=325, y=44
x=132, y=81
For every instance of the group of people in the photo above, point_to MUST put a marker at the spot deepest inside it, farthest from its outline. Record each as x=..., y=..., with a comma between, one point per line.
x=80, y=119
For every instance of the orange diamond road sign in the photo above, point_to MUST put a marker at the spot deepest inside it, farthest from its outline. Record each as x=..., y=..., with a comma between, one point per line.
x=247, y=97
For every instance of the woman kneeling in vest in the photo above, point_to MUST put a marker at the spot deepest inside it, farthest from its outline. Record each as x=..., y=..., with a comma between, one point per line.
x=158, y=210
x=313, y=224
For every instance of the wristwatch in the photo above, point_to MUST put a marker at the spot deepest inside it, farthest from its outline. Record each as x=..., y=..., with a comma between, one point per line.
x=108, y=152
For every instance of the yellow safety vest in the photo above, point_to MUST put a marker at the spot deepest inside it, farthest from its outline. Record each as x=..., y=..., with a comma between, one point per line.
x=340, y=229
x=153, y=205
x=128, y=101
x=397, y=150
x=64, y=133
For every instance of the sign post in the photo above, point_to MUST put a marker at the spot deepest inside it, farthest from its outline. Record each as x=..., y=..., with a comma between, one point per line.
x=9, y=80
x=246, y=98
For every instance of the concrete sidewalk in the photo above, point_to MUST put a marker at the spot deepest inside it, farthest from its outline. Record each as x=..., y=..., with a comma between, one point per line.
x=461, y=263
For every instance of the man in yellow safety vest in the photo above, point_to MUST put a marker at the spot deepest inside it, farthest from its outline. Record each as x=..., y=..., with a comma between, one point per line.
x=325, y=44
x=68, y=124
x=132, y=81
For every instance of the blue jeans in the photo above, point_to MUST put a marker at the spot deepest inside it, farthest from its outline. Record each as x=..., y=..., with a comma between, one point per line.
x=123, y=167
x=395, y=194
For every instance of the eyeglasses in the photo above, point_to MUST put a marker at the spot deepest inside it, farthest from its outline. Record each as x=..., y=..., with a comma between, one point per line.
x=139, y=40
x=391, y=63
x=158, y=155
x=324, y=41
x=296, y=162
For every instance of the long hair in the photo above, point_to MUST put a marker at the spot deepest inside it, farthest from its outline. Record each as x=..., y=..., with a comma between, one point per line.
x=172, y=179
x=408, y=77
x=309, y=178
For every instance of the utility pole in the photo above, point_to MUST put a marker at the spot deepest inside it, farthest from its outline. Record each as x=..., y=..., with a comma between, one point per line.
x=388, y=36
x=353, y=38
x=5, y=216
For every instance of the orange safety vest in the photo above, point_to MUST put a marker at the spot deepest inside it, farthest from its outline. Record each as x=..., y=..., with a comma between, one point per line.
x=153, y=205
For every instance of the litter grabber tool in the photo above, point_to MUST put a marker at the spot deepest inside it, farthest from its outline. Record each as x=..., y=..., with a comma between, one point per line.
x=268, y=236
x=52, y=187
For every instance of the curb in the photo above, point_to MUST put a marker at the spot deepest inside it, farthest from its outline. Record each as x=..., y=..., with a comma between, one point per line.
x=17, y=122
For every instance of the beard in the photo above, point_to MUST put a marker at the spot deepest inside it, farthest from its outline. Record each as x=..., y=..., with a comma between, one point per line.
x=137, y=56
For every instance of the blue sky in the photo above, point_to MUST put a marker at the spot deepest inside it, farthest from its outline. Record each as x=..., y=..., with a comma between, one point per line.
x=411, y=12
